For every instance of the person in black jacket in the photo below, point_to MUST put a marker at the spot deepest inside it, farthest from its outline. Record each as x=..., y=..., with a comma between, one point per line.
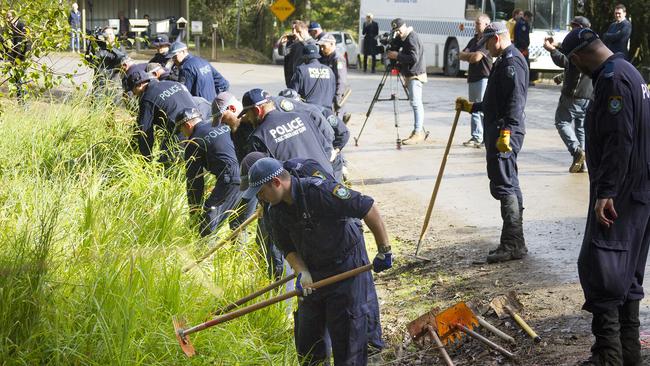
x=411, y=64
x=370, y=32
x=574, y=100
x=618, y=34
x=291, y=47
x=17, y=50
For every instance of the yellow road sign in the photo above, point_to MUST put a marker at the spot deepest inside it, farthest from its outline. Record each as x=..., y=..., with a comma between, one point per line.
x=282, y=9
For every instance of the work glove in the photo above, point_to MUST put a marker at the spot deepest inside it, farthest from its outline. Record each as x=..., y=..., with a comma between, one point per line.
x=333, y=155
x=382, y=262
x=303, y=281
x=464, y=105
x=503, y=142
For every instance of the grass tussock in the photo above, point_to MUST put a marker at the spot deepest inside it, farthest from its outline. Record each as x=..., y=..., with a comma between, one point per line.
x=92, y=242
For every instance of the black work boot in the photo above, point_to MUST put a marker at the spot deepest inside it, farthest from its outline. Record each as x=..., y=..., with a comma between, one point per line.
x=607, y=349
x=512, y=244
x=628, y=317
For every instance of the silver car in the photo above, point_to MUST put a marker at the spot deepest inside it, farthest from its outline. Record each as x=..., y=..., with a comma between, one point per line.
x=345, y=44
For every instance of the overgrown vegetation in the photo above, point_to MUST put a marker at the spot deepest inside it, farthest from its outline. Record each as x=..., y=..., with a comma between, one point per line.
x=92, y=241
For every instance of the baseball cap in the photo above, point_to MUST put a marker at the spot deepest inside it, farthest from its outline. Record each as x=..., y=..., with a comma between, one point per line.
x=581, y=22
x=261, y=172
x=246, y=164
x=221, y=103
x=492, y=30
x=289, y=93
x=396, y=23
x=186, y=115
x=161, y=40
x=177, y=47
x=253, y=98
x=311, y=51
x=313, y=25
x=576, y=40
x=153, y=67
x=136, y=78
x=327, y=38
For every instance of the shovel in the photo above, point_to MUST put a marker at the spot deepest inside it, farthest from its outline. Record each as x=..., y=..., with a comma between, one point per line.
x=508, y=305
x=182, y=333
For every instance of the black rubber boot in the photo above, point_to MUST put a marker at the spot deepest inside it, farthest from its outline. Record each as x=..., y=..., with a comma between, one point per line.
x=607, y=350
x=628, y=317
x=512, y=244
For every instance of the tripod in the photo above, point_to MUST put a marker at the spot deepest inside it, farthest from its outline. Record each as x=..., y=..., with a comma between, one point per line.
x=394, y=76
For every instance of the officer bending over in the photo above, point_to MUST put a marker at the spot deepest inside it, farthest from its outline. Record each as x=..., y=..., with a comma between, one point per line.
x=612, y=260
x=209, y=149
x=503, y=108
x=198, y=75
x=314, y=81
x=283, y=135
x=314, y=223
x=336, y=62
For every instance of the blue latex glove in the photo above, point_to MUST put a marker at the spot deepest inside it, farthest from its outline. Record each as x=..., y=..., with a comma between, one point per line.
x=302, y=281
x=382, y=262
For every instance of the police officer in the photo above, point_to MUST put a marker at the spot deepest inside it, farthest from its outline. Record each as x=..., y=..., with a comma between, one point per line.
x=198, y=75
x=523, y=28
x=314, y=81
x=612, y=260
x=574, y=99
x=336, y=62
x=128, y=67
x=503, y=109
x=209, y=149
x=162, y=56
x=315, y=224
x=284, y=135
x=160, y=103
x=315, y=30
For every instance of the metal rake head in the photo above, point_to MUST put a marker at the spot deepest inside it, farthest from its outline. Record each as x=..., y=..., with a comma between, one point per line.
x=183, y=339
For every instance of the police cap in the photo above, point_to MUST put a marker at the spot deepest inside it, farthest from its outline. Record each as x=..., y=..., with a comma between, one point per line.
x=221, y=103
x=186, y=115
x=136, y=78
x=314, y=25
x=177, y=47
x=246, y=164
x=260, y=173
x=161, y=40
x=493, y=29
x=327, y=38
x=253, y=98
x=311, y=51
x=289, y=93
x=576, y=40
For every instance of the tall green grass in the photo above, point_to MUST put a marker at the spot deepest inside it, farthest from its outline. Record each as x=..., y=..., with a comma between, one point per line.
x=92, y=242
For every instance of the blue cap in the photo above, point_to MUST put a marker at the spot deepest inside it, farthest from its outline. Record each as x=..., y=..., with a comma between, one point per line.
x=136, y=78
x=253, y=98
x=492, y=30
x=313, y=25
x=576, y=40
x=260, y=173
x=311, y=51
x=289, y=93
x=161, y=40
x=186, y=115
x=177, y=47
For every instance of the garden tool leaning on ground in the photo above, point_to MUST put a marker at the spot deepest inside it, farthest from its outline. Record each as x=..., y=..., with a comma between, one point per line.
x=450, y=325
x=260, y=292
x=432, y=202
x=508, y=305
x=182, y=333
x=225, y=241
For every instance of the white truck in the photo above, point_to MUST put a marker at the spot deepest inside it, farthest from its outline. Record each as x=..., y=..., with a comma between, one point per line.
x=446, y=26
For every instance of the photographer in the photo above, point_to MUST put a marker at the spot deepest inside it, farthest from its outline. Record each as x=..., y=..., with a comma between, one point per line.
x=104, y=56
x=409, y=54
x=291, y=46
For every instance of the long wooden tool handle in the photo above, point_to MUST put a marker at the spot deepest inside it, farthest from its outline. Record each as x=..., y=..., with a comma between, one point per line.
x=255, y=294
x=485, y=341
x=249, y=309
x=229, y=238
x=441, y=347
x=484, y=323
x=522, y=323
x=441, y=172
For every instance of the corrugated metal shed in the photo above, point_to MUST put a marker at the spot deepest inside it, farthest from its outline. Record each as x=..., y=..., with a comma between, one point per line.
x=99, y=11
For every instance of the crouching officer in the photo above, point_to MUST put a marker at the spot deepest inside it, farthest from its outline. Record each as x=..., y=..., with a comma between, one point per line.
x=160, y=103
x=198, y=75
x=211, y=149
x=314, y=81
x=314, y=223
x=612, y=260
x=283, y=135
x=503, y=109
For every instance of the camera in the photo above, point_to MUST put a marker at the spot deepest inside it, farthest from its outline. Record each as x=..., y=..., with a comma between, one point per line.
x=389, y=41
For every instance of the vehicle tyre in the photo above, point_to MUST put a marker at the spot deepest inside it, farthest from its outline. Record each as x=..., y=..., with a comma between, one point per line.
x=452, y=59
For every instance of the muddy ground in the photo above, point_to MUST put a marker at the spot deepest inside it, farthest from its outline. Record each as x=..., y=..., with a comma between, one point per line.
x=466, y=221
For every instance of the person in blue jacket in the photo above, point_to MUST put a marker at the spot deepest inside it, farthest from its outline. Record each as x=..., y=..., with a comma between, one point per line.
x=198, y=75
x=618, y=34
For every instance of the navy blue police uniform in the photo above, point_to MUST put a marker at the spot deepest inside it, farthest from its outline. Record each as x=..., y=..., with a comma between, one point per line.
x=612, y=260
x=211, y=149
x=315, y=83
x=322, y=226
x=163, y=59
x=503, y=109
x=339, y=67
x=288, y=135
x=132, y=69
x=204, y=107
x=201, y=78
x=159, y=105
